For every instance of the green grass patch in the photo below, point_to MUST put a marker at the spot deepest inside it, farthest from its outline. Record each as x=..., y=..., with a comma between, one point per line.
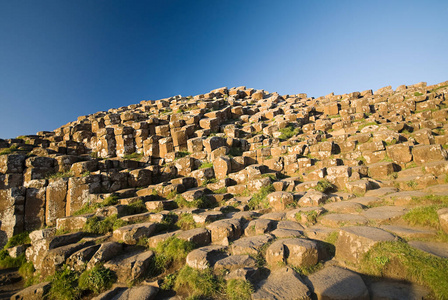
x=6, y=261
x=27, y=270
x=238, y=289
x=206, y=165
x=273, y=177
x=18, y=239
x=289, y=131
x=306, y=271
x=197, y=283
x=133, y=156
x=64, y=285
x=438, y=88
x=311, y=216
x=324, y=186
x=222, y=190
x=9, y=150
x=97, y=225
x=98, y=279
x=181, y=154
x=202, y=202
x=416, y=94
x=387, y=258
x=258, y=199
x=423, y=216
x=171, y=253
x=186, y=222
x=90, y=208
x=66, y=174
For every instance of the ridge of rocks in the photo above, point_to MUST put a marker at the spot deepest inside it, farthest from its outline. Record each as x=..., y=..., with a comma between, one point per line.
x=258, y=182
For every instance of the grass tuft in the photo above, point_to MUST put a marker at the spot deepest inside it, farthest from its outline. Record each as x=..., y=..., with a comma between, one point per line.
x=64, y=285
x=97, y=225
x=6, y=261
x=288, y=132
x=258, y=199
x=324, y=186
x=197, y=283
x=18, y=239
x=171, y=253
x=238, y=289
x=97, y=279
x=206, y=165
x=186, y=222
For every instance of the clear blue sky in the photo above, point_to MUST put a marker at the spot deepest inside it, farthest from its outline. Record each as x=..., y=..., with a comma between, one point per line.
x=60, y=59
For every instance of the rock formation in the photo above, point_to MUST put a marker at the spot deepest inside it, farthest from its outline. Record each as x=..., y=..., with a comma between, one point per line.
x=289, y=195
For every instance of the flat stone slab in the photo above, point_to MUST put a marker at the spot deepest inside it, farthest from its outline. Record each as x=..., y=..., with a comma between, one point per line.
x=276, y=216
x=205, y=257
x=250, y=245
x=130, y=266
x=235, y=262
x=207, y=216
x=284, y=283
x=381, y=192
x=291, y=225
x=34, y=292
x=410, y=232
x=344, y=207
x=384, y=213
x=318, y=232
x=131, y=233
x=286, y=233
x=439, y=190
x=434, y=248
x=304, y=215
x=404, y=198
x=397, y=290
x=339, y=220
x=259, y=226
x=338, y=283
x=198, y=236
x=367, y=201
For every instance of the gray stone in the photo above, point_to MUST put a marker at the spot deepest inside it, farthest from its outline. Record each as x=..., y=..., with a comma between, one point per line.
x=338, y=283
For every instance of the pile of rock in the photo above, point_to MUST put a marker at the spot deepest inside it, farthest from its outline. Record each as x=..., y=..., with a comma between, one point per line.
x=262, y=175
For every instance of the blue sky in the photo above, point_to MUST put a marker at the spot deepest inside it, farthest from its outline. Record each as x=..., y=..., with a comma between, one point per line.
x=60, y=59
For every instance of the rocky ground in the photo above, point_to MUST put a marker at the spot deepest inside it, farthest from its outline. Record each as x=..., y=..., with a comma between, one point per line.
x=234, y=194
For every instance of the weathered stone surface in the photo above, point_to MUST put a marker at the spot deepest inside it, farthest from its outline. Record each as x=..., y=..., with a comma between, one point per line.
x=14, y=163
x=199, y=236
x=250, y=245
x=225, y=231
x=222, y=166
x=130, y=266
x=338, y=283
x=259, y=226
x=235, y=262
x=427, y=153
x=279, y=201
x=313, y=198
x=34, y=292
x=284, y=283
x=434, y=248
x=131, y=233
x=295, y=252
x=354, y=242
x=205, y=257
